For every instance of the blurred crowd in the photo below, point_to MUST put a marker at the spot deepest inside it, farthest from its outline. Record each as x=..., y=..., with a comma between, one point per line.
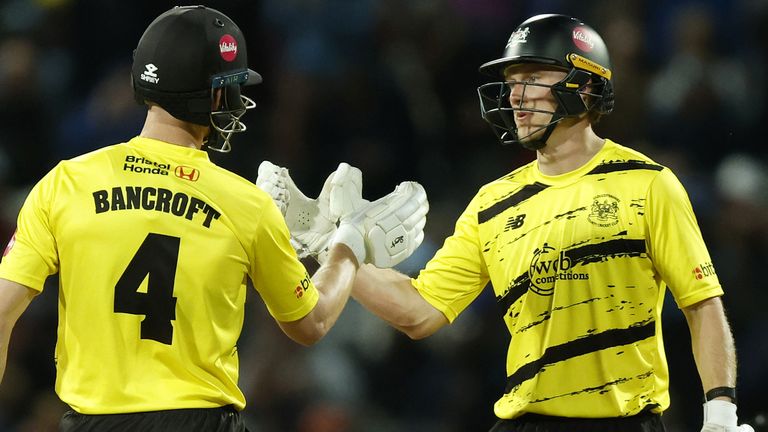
x=389, y=86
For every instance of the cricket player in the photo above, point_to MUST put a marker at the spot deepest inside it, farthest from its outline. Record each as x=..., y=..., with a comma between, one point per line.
x=153, y=245
x=580, y=247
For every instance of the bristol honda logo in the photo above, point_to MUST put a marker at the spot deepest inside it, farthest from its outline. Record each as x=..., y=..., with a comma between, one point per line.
x=228, y=47
x=149, y=74
x=548, y=266
x=187, y=173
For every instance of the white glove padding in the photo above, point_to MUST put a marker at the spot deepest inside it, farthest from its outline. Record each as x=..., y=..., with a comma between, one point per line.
x=271, y=181
x=386, y=231
x=720, y=416
x=312, y=221
x=346, y=191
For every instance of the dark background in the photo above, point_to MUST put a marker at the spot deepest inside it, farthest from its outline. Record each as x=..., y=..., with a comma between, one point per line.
x=390, y=87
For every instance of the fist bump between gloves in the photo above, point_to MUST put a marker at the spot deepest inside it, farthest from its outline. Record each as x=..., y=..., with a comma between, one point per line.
x=383, y=232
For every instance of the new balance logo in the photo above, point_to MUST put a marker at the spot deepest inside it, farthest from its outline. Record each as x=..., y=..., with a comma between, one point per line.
x=149, y=74
x=514, y=222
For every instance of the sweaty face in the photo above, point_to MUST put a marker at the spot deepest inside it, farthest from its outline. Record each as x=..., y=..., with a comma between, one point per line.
x=531, y=97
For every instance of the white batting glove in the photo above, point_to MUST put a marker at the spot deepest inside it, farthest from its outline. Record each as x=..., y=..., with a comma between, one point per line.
x=386, y=231
x=346, y=192
x=271, y=180
x=720, y=416
x=312, y=222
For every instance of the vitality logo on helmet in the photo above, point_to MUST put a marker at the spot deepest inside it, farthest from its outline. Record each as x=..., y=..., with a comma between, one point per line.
x=228, y=48
x=584, y=39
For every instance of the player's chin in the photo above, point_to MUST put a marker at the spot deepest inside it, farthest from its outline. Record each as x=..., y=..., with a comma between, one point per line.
x=531, y=131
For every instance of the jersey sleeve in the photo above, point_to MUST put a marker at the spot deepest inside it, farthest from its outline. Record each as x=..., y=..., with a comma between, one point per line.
x=457, y=273
x=277, y=274
x=676, y=246
x=31, y=256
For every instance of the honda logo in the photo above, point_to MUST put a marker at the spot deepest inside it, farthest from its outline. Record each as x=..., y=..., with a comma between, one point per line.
x=187, y=173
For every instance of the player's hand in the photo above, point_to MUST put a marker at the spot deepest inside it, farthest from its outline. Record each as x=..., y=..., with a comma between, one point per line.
x=312, y=222
x=386, y=231
x=720, y=416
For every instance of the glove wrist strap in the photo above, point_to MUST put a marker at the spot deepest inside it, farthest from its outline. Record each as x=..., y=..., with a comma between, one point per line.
x=350, y=236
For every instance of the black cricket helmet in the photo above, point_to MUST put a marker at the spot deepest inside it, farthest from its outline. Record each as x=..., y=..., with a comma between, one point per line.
x=190, y=58
x=550, y=40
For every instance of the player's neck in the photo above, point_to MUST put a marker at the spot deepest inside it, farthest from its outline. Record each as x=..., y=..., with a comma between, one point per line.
x=162, y=126
x=568, y=149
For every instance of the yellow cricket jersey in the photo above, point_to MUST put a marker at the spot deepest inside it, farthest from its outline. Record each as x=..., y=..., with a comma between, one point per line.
x=579, y=264
x=153, y=244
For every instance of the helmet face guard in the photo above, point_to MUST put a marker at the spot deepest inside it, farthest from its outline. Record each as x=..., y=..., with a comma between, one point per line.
x=225, y=120
x=571, y=96
x=556, y=41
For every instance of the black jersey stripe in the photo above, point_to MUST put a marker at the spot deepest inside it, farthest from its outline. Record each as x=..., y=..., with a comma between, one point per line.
x=516, y=198
x=624, y=166
x=597, y=252
x=584, y=345
x=601, y=387
x=516, y=290
x=585, y=254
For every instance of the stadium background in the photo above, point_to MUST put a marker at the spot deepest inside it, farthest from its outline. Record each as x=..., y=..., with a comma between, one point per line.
x=389, y=86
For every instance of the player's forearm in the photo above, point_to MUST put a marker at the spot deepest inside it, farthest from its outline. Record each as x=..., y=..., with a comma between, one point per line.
x=713, y=346
x=333, y=280
x=391, y=296
x=4, y=338
x=14, y=299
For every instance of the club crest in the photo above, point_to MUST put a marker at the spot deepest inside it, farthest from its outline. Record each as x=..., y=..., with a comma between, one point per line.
x=604, y=211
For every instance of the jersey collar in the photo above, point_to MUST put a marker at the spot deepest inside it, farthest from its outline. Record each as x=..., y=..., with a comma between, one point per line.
x=167, y=149
x=576, y=174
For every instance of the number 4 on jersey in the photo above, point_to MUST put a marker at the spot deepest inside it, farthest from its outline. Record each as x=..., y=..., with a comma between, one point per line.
x=156, y=259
